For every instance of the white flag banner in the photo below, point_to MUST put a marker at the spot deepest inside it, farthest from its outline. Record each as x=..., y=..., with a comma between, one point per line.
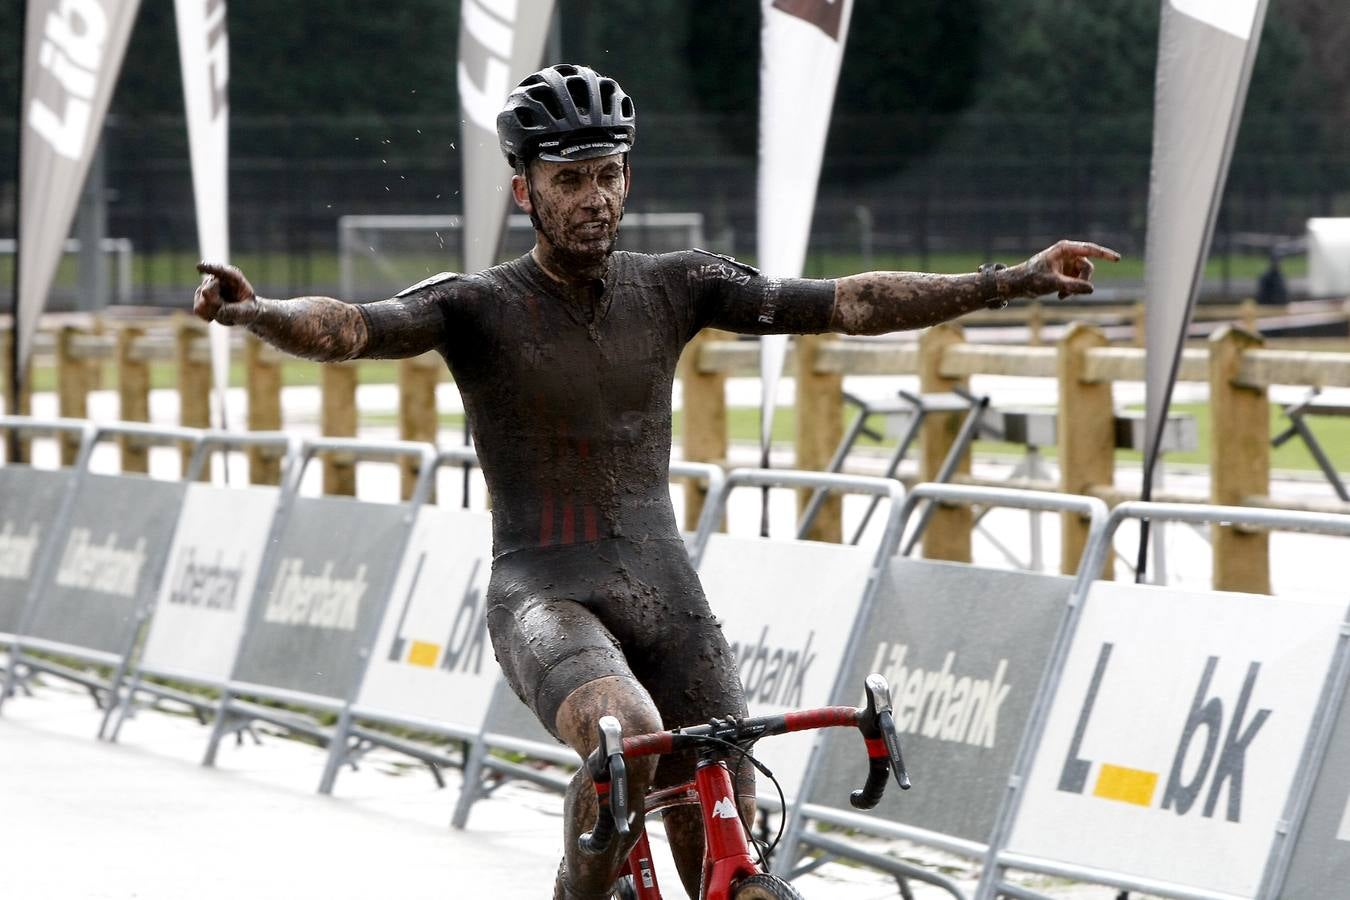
x=802, y=47
x=500, y=42
x=204, y=54
x=1205, y=53
x=73, y=51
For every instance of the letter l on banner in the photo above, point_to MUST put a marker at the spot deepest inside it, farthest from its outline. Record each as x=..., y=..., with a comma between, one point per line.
x=500, y=42
x=802, y=47
x=204, y=54
x=73, y=51
x=1206, y=49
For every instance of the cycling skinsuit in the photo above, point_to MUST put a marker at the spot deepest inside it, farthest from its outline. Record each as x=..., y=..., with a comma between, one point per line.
x=569, y=401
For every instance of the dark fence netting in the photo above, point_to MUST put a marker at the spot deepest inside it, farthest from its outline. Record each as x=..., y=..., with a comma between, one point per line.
x=959, y=189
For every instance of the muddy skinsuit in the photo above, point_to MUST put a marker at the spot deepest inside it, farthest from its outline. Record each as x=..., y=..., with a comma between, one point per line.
x=570, y=406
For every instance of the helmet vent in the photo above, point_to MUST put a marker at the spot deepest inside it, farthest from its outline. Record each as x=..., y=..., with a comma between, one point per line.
x=626, y=108
x=526, y=117
x=565, y=70
x=607, y=88
x=581, y=95
x=544, y=94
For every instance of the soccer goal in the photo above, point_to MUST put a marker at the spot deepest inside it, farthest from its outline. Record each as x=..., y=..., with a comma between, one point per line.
x=378, y=256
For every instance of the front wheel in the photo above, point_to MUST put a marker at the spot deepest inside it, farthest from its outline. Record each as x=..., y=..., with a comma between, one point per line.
x=764, y=887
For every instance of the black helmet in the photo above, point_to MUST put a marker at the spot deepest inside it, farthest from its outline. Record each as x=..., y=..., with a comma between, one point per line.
x=563, y=113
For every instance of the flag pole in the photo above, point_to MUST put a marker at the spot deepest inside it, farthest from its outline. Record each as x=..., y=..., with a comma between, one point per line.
x=14, y=450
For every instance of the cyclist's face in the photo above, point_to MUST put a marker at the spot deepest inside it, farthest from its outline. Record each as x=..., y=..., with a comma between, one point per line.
x=579, y=203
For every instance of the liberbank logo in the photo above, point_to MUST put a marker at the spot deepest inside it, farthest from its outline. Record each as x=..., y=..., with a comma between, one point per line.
x=1210, y=753
x=951, y=703
x=103, y=568
x=17, y=551
x=74, y=43
x=319, y=601
x=204, y=585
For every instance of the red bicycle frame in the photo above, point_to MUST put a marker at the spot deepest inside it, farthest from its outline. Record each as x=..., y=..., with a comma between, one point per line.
x=727, y=858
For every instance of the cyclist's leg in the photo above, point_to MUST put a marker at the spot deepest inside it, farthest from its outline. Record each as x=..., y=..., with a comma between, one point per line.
x=684, y=660
x=567, y=666
x=580, y=875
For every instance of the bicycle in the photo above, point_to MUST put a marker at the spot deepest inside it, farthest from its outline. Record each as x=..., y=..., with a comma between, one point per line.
x=729, y=872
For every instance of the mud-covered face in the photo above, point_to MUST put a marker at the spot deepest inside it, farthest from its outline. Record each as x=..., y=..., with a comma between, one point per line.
x=578, y=206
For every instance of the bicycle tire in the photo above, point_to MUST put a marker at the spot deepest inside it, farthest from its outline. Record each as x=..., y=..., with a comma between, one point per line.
x=764, y=887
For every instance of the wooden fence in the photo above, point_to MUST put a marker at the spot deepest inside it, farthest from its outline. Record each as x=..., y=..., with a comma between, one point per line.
x=1237, y=366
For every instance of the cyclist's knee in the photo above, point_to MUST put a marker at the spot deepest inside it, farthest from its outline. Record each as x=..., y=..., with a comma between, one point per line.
x=620, y=696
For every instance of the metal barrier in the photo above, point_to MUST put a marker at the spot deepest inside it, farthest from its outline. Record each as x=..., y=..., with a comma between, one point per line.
x=93, y=610
x=308, y=637
x=196, y=628
x=1003, y=854
x=919, y=628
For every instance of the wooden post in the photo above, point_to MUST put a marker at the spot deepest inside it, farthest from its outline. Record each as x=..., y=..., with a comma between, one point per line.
x=1086, y=434
x=262, y=383
x=1248, y=316
x=338, y=419
x=705, y=420
x=72, y=386
x=97, y=328
x=1035, y=324
x=1239, y=462
x=417, y=415
x=133, y=394
x=820, y=428
x=948, y=532
x=25, y=406
x=194, y=383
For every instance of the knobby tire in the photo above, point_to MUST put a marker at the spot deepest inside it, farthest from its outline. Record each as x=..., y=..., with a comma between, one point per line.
x=764, y=887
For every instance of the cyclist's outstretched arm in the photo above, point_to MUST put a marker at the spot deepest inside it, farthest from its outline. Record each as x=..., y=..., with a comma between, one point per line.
x=881, y=302
x=319, y=328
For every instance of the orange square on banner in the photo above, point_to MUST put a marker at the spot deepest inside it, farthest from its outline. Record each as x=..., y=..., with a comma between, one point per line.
x=1126, y=785
x=424, y=654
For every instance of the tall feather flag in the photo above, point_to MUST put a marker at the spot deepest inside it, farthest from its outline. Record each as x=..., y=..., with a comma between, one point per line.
x=1206, y=49
x=73, y=50
x=204, y=56
x=500, y=42
x=802, y=48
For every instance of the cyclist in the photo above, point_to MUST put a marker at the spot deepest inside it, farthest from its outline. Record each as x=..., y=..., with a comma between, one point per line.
x=565, y=358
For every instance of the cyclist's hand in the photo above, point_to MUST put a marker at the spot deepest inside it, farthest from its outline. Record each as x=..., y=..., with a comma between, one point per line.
x=224, y=296
x=1064, y=268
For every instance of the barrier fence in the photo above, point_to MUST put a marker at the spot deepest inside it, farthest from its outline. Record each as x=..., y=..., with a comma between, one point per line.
x=1237, y=366
x=1191, y=744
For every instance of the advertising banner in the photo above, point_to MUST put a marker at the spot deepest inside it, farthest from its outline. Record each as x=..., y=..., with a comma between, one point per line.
x=110, y=563
x=73, y=51
x=1175, y=733
x=319, y=602
x=801, y=47
x=500, y=42
x=964, y=650
x=1205, y=54
x=204, y=56
x=209, y=581
x=1321, y=862
x=787, y=609
x=29, y=502
x=432, y=659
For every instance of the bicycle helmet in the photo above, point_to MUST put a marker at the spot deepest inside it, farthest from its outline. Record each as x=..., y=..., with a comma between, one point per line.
x=563, y=113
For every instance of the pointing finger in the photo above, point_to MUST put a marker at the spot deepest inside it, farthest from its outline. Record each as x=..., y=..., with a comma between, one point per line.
x=1084, y=248
x=217, y=269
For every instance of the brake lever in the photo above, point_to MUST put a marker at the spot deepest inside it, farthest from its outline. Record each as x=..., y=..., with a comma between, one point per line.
x=879, y=706
x=610, y=776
